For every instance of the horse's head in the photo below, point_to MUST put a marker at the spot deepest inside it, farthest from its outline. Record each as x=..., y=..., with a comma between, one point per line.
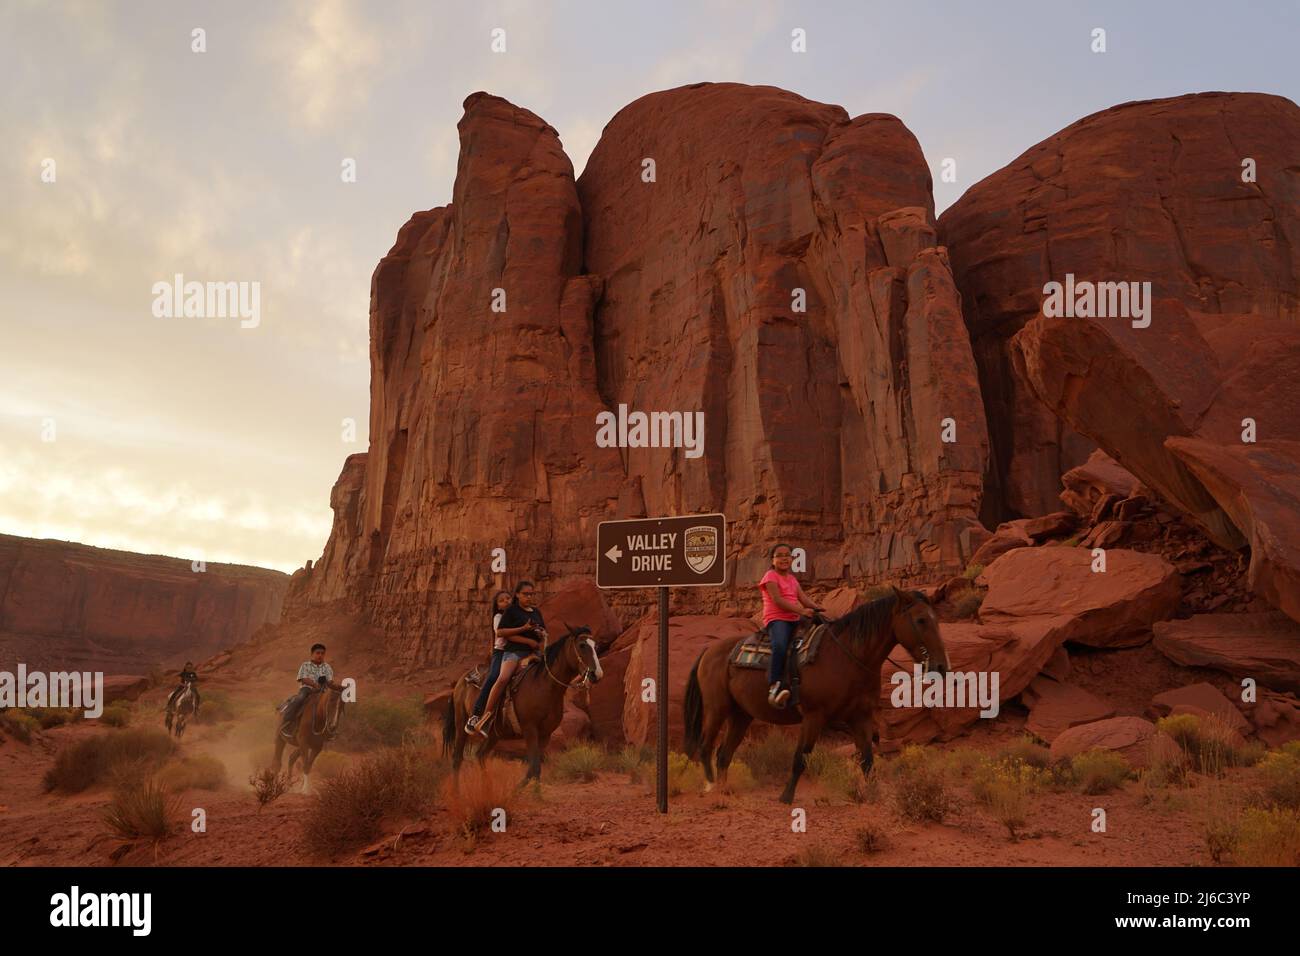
x=588, y=657
x=916, y=626
x=333, y=705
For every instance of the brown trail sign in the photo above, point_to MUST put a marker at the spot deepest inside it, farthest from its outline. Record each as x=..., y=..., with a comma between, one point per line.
x=681, y=551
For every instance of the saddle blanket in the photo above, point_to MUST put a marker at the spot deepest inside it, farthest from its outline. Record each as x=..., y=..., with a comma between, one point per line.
x=755, y=651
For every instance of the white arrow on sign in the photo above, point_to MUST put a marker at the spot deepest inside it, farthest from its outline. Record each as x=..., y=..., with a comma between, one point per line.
x=614, y=554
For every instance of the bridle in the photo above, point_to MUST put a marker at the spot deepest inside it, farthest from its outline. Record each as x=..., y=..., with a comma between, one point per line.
x=584, y=677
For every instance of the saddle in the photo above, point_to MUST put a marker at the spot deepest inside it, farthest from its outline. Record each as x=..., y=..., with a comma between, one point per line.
x=755, y=652
x=507, y=721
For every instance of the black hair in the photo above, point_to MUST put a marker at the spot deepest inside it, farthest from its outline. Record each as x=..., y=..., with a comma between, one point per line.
x=520, y=586
x=779, y=544
x=493, y=612
x=317, y=647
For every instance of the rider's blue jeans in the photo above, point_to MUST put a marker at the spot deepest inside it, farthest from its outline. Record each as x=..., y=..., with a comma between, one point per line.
x=780, y=633
x=494, y=671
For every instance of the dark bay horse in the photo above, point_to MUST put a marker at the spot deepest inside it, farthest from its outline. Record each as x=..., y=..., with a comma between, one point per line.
x=842, y=686
x=180, y=713
x=317, y=722
x=539, y=701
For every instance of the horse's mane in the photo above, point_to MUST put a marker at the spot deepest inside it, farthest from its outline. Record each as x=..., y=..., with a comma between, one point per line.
x=866, y=620
x=553, y=651
x=869, y=618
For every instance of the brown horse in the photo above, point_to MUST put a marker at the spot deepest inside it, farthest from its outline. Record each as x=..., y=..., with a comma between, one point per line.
x=539, y=700
x=317, y=722
x=841, y=687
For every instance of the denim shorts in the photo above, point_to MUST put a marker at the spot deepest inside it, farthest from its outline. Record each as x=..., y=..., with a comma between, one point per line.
x=512, y=656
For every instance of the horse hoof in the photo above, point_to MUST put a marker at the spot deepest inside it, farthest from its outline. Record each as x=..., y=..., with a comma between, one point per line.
x=708, y=787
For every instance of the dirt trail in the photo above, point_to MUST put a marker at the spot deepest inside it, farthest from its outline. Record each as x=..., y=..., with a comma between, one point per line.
x=610, y=822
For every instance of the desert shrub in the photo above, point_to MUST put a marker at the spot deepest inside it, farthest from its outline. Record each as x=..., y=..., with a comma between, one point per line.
x=838, y=774
x=740, y=779
x=88, y=761
x=967, y=605
x=1025, y=749
x=580, y=762
x=768, y=755
x=1280, y=773
x=268, y=786
x=19, y=724
x=378, y=723
x=1005, y=787
x=1210, y=744
x=1268, y=837
x=972, y=571
x=871, y=837
x=350, y=808
x=49, y=717
x=920, y=790
x=962, y=762
x=144, y=809
x=479, y=790
x=1098, y=770
x=684, y=775
x=329, y=765
x=200, y=772
x=818, y=856
x=1167, y=763
x=116, y=714
x=631, y=760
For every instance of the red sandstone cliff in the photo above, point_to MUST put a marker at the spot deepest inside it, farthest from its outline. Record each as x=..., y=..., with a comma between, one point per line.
x=823, y=425
x=1150, y=192
x=71, y=605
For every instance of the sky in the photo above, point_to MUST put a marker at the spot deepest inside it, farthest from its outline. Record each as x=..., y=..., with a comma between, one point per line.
x=200, y=438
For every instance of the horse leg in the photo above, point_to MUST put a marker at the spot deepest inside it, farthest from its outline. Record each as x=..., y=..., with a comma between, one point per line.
x=533, y=740
x=861, y=729
x=737, y=726
x=809, y=731
x=309, y=758
x=713, y=719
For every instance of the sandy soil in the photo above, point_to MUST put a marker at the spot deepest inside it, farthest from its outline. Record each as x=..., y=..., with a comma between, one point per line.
x=609, y=822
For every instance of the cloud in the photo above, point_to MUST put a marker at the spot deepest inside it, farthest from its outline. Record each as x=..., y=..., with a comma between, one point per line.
x=330, y=56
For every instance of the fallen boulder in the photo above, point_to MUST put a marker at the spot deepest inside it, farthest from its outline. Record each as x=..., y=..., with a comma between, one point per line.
x=1264, y=646
x=1127, y=736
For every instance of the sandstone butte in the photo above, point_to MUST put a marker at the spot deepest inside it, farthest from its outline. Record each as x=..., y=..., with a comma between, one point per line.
x=73, y=606
x=824, y=425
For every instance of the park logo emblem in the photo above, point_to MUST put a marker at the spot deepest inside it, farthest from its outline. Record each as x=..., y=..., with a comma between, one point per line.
x=701, y=548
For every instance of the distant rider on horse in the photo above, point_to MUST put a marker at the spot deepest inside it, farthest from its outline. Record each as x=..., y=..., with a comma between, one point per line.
x=312, y=675
x=524, y=631
x=784, y=603
x=187, y=676
x=500, y=601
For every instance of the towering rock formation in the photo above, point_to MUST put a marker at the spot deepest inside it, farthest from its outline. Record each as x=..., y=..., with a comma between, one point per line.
x=1149, y=191
x=68, y=605
x=1197, y=195
x=779, y=272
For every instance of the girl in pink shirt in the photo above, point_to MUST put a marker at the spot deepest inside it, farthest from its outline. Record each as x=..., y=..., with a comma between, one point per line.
x=784, y=603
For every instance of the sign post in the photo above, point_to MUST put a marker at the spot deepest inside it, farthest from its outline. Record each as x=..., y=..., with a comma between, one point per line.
x=681, y=551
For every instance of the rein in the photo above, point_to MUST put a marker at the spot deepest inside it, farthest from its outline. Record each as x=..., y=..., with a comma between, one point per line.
x=583, y=678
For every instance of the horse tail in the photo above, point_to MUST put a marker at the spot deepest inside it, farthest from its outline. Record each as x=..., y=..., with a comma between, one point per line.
x=693, y=711
x=449, y=725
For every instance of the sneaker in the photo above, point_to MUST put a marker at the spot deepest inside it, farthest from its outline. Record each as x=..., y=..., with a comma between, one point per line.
x=484, y=722
x=471, y=725
x=777, y=696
